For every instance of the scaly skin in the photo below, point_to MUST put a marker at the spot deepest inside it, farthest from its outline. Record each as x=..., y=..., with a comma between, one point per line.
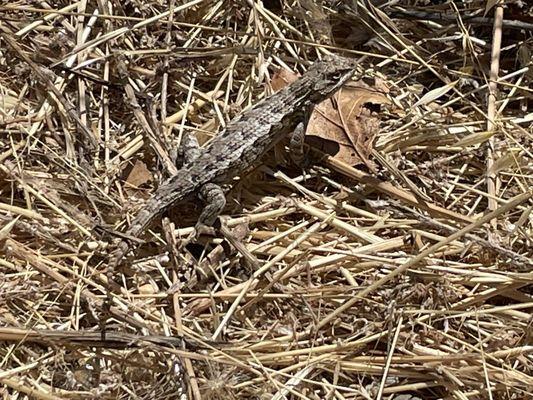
x=244, y=141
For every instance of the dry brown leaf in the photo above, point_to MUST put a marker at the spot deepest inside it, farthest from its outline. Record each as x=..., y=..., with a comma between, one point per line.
x=139, y=175
x=349, y=127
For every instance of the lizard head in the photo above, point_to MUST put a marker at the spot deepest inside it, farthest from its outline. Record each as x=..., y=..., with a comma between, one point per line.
x=330, y=74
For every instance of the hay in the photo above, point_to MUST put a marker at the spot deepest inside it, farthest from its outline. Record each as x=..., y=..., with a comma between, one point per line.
x=407, y=276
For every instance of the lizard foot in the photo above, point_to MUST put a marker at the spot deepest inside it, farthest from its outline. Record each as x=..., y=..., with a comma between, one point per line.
x=198, y=230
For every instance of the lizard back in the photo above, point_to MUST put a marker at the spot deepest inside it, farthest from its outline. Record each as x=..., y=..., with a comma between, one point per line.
x=245, y=140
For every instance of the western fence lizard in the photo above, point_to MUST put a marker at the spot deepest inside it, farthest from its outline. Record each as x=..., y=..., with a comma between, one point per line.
x=240, y=145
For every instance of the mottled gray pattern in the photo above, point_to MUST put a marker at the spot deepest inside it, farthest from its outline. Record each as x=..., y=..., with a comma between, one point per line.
x=245, y=139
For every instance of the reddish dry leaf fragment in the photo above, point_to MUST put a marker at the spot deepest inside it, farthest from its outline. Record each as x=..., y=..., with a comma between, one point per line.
x=139, y=175
x=282, y=78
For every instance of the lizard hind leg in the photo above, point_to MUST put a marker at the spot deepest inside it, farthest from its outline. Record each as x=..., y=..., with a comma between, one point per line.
x=215, y=201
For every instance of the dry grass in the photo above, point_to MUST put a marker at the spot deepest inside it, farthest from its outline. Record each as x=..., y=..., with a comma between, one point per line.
x=408, y=281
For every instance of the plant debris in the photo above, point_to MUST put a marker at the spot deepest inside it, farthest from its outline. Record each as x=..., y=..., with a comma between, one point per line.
x=400, y=272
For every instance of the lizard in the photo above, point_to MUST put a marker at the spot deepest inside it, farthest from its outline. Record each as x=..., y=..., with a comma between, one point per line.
x=239, y=146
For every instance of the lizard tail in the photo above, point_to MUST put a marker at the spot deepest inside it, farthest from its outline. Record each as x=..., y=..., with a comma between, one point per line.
x=173, y=190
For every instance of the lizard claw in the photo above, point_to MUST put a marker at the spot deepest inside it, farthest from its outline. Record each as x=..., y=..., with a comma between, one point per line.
x=198, y=230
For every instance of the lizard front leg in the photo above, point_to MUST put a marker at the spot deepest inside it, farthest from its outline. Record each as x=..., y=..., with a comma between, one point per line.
x=188, y=151
x=297, y=139
x=296, y=144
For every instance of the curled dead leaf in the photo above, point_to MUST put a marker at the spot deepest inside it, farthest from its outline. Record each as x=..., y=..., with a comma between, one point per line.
x=348, y=124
